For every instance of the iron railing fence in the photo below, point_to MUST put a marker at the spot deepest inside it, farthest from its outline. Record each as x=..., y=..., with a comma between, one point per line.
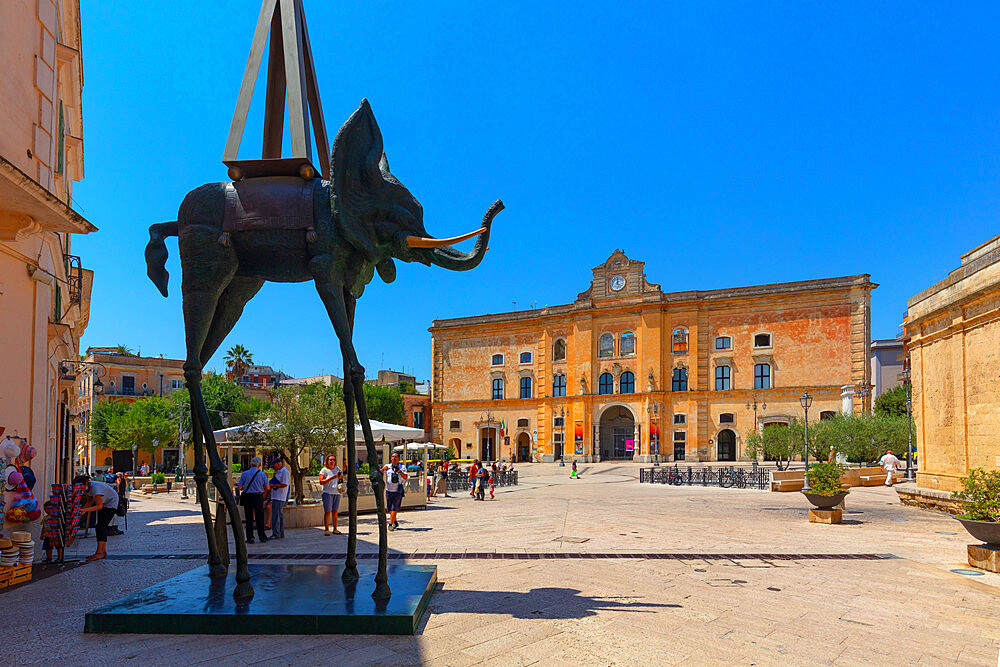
x=459, y=481
x=725, y=477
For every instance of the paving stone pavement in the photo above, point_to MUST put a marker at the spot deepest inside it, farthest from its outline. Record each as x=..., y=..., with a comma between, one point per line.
x=752, y=602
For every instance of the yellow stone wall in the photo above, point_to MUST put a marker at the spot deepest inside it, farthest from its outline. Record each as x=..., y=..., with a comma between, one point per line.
x=954, y=347
x=820, y=340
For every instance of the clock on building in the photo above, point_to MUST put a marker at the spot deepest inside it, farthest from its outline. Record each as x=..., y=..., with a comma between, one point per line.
x=617, y=282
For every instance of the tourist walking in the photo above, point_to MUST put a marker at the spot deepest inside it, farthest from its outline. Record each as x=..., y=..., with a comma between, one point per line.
x=443, y=478
x=102, y=499
x=492, y=485
x=329, y=478
x=279, y=498
x=574, y=475
x=482, y=475
x=889, y=464
x=252, y=485
x=473, y=470
x=395, y=478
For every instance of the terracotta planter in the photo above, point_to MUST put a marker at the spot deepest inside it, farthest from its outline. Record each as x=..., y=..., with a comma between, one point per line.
x=986, y=531
x=825, y=502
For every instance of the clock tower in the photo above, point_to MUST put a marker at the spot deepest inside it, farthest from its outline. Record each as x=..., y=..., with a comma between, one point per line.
x=620, y=278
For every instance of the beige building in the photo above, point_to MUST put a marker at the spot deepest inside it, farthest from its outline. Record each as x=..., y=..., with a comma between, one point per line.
x=628, y=371
x=109, y=375
x=44, y=291
x=954, y=348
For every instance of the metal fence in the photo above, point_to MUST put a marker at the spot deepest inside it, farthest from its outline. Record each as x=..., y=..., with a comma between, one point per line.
x=725, y=477
x=459, y=481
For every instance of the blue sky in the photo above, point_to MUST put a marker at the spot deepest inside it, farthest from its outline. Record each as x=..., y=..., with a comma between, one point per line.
x=722, y=145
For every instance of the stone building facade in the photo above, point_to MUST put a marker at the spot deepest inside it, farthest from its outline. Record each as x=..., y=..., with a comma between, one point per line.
x=628, y=371
x=954, y=348
x=44, y=289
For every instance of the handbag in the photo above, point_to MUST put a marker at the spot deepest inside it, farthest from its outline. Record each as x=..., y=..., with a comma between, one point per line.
x=243, y=496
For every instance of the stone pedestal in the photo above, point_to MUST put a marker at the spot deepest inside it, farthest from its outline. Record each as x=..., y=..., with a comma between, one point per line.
x=826, y=516
x=985, y=557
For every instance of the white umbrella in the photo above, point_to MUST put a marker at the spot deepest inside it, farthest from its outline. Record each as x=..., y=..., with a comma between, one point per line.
x=418, y=447
x=388, y=432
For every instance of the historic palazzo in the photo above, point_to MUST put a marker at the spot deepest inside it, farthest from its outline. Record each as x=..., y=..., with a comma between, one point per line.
x=628, y=371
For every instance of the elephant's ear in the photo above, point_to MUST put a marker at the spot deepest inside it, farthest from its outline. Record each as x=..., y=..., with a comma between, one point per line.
x=357, y=178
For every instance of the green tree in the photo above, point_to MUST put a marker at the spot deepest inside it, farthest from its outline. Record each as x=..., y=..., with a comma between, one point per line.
x=892, y=403
x=101, y=417
x=304, y=422
x=147, y=424
x=776, y=442
x=221, y=395
x=384, y=403
x=406, y=388
x=238, y=359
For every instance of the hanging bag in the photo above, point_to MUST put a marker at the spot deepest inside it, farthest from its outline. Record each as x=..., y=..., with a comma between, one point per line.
x=242, y=499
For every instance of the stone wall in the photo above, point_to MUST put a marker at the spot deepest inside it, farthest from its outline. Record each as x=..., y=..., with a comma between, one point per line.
x=954, y=347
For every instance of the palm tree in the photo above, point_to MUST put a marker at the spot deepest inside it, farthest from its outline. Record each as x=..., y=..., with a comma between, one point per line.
x=238, y=359
x=124, y=350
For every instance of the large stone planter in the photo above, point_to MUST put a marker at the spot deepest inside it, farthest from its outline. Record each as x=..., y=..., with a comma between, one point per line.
x=825, y=502
x=987, y=532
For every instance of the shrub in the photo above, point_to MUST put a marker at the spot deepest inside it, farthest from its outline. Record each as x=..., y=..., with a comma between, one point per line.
x=158, y=478
x=364, y=469
x=824, y=479
x=981, y=489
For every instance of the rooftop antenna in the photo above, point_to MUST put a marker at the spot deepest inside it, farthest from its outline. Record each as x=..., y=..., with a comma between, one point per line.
x=290, y=71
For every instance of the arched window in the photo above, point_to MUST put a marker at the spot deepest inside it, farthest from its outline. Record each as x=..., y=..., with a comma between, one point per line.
x=559, y=350
x=762, y=376
x=497, y=360
x=526, y=386
x=679, y=340
x=559, y=385
x=680, y=381
x=606, y=346
x=626, y=383
x=606, y=384
x=626, y=344
x=525, y=358
x=722, y=378
x=497, y=389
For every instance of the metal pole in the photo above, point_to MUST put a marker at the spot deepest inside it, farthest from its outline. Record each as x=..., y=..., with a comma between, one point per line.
x=805, y=455
x=180, y=440
x=909, y=435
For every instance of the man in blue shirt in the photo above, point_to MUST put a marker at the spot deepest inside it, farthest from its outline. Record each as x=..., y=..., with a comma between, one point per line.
x=252, y=484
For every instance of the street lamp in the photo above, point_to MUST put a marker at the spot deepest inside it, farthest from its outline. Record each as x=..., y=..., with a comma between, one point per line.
x=763, y=406
x=135, y=452
x=562, y=432
x=156, y=443
x=654, y=417
x=805, y=401
x=863, y=391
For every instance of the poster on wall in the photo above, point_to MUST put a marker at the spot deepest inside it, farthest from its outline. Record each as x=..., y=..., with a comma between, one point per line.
x=630, y=445
x=578, y=449
x=578, y=437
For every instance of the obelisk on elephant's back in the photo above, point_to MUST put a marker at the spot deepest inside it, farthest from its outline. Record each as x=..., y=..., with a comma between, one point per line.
x=335, y=219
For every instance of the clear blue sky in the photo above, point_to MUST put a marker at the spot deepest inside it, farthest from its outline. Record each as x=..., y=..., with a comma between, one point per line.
x=722, y=145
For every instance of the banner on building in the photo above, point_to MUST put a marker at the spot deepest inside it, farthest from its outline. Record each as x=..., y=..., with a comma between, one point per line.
x=578, y=437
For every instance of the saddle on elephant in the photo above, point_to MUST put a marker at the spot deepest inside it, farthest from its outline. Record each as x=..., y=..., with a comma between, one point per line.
x=272, y=202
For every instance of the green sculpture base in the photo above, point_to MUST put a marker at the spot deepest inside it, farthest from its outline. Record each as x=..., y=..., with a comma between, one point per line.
x=288, y=600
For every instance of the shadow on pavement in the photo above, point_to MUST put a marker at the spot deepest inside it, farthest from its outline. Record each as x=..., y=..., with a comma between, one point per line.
x=560, y=603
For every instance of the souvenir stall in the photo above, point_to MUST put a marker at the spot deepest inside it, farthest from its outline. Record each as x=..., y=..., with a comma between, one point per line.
x=18, y=507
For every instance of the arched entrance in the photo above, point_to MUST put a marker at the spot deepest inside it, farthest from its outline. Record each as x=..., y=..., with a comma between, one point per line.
x=456, y=443
x=523, y=447
x=617, y=433
x=727, y=445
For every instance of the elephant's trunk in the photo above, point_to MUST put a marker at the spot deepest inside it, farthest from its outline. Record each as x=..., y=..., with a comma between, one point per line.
x=450, y=258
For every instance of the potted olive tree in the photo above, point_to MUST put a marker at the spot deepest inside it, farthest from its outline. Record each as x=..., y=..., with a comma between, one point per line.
x=981, y=490
x=824, y=479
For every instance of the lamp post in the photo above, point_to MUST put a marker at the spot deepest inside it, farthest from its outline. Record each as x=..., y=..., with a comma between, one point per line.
x=864, y=392
x=562, y=432
x=763, y=406
x=654, y=418
x=135, y=462
x=805, y=401
x=156, y=443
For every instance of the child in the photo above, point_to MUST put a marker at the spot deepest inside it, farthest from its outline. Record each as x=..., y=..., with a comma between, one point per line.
x=429, y=488
x=492, y=486
x=573, y=474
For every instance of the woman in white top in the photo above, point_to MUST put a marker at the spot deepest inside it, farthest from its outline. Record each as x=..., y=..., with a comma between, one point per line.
x=329, y=477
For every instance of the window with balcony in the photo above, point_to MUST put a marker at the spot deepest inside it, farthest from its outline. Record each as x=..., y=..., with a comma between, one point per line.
x=606, y=384
x=762, y=376
x=626, y=383
x=559, y=385
x=526, y=387
x=606, y=346
x=722, y=378
x=626, y=344
x=680, y=380
x=497, y=389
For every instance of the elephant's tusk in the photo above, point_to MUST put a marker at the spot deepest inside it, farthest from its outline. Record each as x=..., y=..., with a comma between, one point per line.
x=422, y=242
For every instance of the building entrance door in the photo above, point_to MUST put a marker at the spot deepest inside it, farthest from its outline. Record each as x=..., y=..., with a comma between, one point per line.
x=524, y=447
x=727, y=445
x=170, y=457
x=487, y=445
x=617, y=433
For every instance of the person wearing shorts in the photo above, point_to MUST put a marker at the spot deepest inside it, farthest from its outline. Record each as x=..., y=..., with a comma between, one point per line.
x=329, y=477
x=395, y=477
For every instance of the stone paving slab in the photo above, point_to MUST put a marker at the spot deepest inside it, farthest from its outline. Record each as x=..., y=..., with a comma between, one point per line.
x=552, y=610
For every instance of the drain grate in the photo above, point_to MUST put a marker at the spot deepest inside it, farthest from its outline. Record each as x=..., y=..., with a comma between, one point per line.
x=458, y=555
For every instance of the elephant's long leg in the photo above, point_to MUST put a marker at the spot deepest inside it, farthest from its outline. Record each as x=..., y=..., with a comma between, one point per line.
x=227, y=313
x=339, y=303
x=216, y=568
x=351, y=564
